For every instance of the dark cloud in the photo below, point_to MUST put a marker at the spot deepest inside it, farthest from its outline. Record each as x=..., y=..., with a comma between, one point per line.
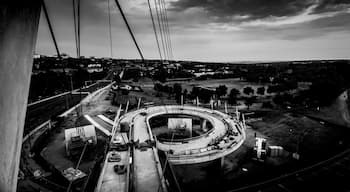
x=255, y=9
x=224, y=10
x=331, y=5
x=208, y=30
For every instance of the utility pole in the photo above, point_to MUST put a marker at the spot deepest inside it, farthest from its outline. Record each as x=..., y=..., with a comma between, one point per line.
x=71, y=82
x=139, y=103
x=77, y=166
x=127, y=107
x=182, y=99
x=19, y=20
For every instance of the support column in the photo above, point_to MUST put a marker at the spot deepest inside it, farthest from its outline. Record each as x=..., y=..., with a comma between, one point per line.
x=19, y=21
x=204, y=125
x=222, y=162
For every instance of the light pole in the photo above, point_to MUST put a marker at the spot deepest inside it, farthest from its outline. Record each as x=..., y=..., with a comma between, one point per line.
x=71, y=82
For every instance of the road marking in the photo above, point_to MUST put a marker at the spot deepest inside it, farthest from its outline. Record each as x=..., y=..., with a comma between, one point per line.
x=104, y=118
x=283, y=187
x=98, y=126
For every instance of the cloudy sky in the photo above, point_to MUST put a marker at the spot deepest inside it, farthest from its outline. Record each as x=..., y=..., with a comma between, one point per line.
x=208, y=30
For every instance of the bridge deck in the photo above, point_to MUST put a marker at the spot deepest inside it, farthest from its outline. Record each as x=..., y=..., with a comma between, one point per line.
x=112, y=181
x=109, y=180
x=146, y=172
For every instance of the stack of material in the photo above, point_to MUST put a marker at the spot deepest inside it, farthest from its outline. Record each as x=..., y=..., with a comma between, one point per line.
x=275, y=151
x=72, y=174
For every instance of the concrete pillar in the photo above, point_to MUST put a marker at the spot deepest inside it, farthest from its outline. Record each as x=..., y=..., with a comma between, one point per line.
x=139, y=103
x=182, y=99
x=19, y=21
x=127, y=107
x=222, y=162
x=204, y=125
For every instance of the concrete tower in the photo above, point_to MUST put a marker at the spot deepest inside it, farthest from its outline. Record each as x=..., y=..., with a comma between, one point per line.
x=19, y=21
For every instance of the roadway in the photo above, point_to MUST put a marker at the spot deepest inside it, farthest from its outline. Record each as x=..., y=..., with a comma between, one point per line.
x=144, y=169
x=147, y=170
x=226, y=136
x=109, y=180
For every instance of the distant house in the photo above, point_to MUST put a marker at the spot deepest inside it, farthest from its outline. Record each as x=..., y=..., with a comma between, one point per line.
x=94, y=67
x=198, y=74
x=304, y=85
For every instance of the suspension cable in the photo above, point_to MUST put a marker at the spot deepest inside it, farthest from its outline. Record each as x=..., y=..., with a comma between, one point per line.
x=79, y=27
x=168, y=29
x=77, y=166
x=160, y=28
x=110, y=29
x=129, y=29
x=75, y=27
x=166, y=162
x=50, y=28
x=154, y=29
x=171, y=169
x=162, y=19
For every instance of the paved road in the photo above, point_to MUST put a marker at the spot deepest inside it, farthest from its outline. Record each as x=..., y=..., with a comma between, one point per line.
x=146, y=171
x=109, y=180
x=145, y=165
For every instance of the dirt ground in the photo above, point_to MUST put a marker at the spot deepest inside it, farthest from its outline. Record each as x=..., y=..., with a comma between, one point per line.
x=313, y=139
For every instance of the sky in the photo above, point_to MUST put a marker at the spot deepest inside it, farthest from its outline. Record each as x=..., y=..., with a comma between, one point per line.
x=206, y=30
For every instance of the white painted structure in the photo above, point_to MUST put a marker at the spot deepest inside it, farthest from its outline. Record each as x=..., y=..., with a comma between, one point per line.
x=86, y=133
x=260, y=147
x=227, y=135
x=180, y=123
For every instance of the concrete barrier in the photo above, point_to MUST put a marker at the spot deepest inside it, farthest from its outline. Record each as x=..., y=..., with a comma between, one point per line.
x=86, y=99
x=46, y=124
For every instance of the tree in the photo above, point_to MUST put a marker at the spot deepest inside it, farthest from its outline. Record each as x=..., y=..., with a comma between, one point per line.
x=116, y=78
x=158, y=87
x=281, y=99
x=205, y=95
x=160, y=75
x=267, y=104
x=178, y=91
x=325, y=91
x=177, y=88
x=249, y=101
x=221, y=91
x=270, y=89
x=194, y=93
x=261, y=90
x=232, y=97
x=185, y=93
x=248, y=90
